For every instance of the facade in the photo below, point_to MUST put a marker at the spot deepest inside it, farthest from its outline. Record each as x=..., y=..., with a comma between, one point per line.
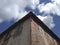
x=29, y=31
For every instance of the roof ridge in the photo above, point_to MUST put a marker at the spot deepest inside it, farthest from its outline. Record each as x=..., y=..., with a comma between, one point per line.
x=37, y=20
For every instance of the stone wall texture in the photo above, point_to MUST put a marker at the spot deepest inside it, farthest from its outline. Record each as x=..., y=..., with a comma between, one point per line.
x=27, y=33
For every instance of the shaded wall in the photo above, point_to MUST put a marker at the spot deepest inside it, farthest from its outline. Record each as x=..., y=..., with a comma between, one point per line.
x=27, y=33
x=18, y=36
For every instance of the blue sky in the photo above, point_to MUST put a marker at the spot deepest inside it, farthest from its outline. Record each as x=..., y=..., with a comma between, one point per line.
x=46, y=10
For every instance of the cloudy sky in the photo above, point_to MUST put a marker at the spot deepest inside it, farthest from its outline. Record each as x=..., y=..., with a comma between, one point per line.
x=46, y=10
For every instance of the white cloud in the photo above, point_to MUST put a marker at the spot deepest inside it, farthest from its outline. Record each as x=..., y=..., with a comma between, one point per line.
x=48, y=20
x=1, y=20
x=51, y=7
x=10, y=12
x=48, y=8
x=34, y=3
x=56, y=1
x=15, y=8
x=10, y=9
x=22, y=14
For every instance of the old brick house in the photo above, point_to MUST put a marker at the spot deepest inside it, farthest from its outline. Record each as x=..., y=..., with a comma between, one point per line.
x=29, y=31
